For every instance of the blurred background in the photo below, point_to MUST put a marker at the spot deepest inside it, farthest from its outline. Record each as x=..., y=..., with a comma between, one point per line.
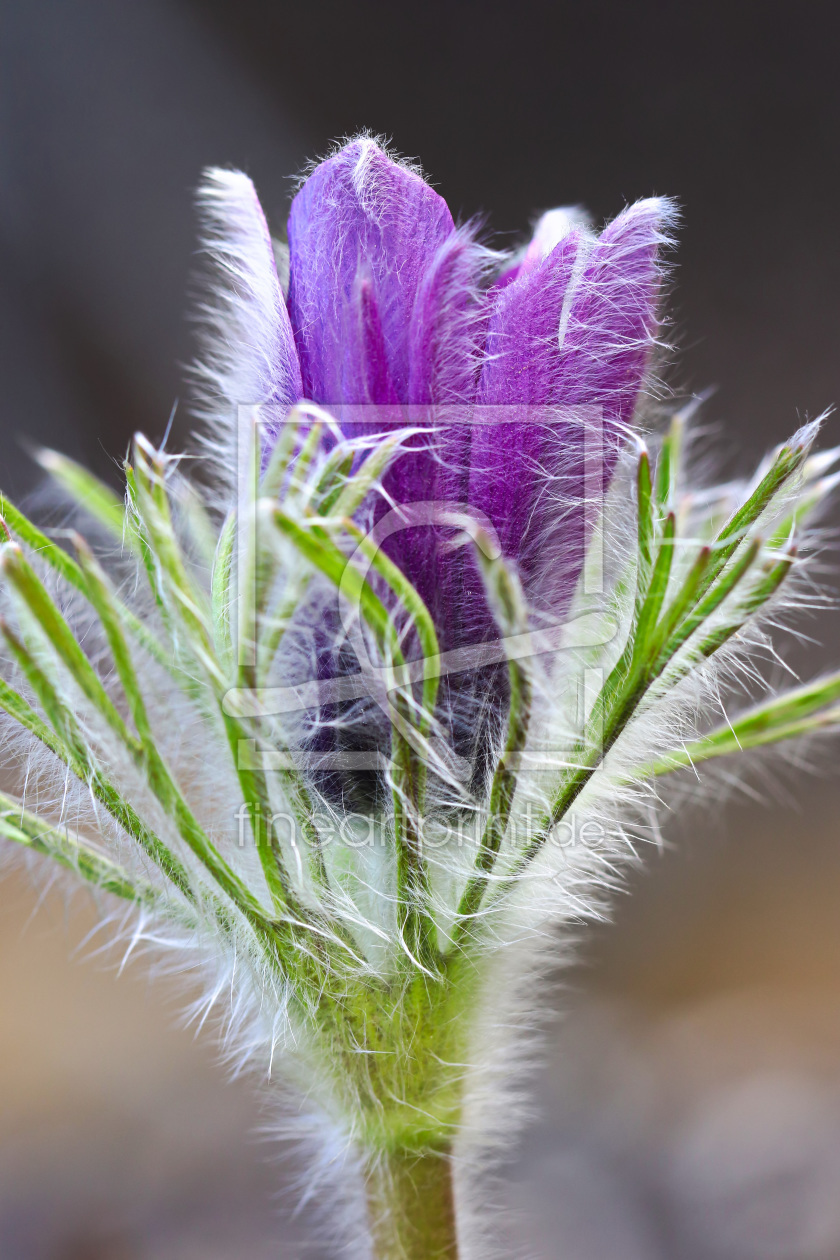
x=690, y=1107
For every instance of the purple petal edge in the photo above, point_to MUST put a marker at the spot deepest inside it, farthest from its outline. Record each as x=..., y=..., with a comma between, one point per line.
x=573, y=334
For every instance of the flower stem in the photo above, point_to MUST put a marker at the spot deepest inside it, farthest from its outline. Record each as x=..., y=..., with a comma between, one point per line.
x=412, y=1206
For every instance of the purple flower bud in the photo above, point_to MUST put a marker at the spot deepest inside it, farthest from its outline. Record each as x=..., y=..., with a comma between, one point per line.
x=391, y=306
x=525, y=376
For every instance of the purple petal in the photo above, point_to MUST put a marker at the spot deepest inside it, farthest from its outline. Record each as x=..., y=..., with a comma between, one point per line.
x=386, y=306
x=612, y=321
x=249, y=353
x=365, y=375
x=518, y=385
x=359, y=215
x=573, y=332
x=448, y=324
x=448, y=328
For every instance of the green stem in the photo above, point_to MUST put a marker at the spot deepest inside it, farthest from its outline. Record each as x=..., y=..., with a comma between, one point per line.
x=412, y=1206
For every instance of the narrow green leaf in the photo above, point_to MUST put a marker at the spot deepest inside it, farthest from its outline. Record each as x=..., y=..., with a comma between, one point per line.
x=758, y=596
x=337, y=468
x=645, y=531
x=686, y=626
x=34, y=594
x=299, y=491
x=373, y=468
x=20, y=826
x=281, y=454
x=63, y=564
x=668, y=463
x=221, y=591
x=682, y=601
x=171, y=583
x=648, y=615
x=147, y=756
x=794, y=713
x=91, y=494
x=64, y=739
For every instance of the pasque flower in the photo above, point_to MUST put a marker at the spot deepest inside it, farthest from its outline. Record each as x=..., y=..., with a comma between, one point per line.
x=393, y=314
x=363, y=718
x=396, y=316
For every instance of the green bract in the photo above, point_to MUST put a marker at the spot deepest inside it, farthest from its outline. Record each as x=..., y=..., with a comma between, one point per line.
x=157, y=672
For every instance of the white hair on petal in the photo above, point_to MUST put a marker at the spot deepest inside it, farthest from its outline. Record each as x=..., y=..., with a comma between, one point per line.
x=370, y=142
x=554, y=226
x=247, y=346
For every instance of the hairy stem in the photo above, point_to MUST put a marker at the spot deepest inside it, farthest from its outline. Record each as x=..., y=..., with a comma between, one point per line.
x=412, y=1206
